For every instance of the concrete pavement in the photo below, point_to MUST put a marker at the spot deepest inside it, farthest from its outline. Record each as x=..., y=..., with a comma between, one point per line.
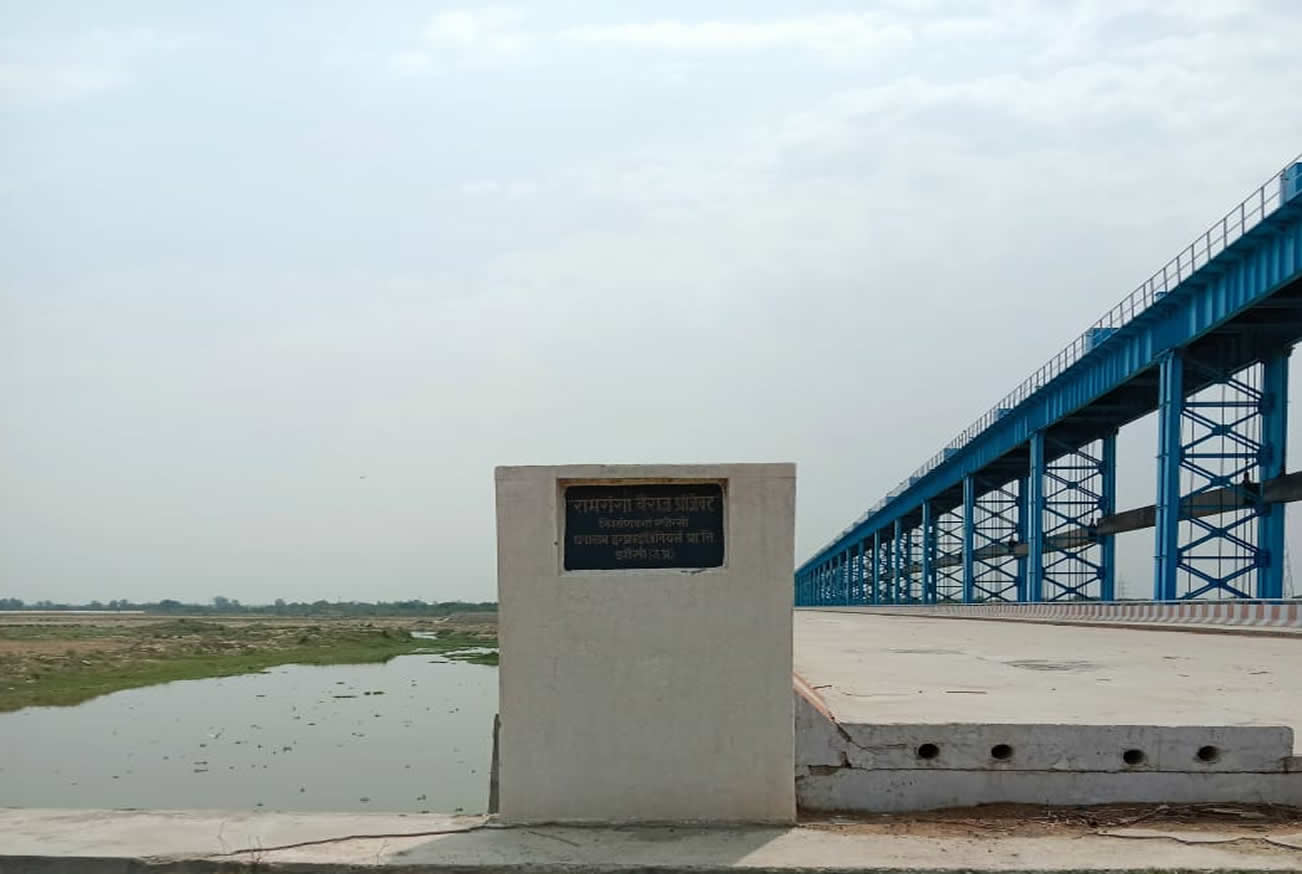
x=879, y=669
x=91, y=842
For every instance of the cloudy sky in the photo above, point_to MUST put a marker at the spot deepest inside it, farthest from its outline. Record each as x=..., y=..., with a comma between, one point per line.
x=281, y=283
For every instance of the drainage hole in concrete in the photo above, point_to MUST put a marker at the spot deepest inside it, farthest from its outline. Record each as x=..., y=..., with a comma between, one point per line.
x=928, y=751
x=1133, y=757
x=1209, y=754
x=1002, y=752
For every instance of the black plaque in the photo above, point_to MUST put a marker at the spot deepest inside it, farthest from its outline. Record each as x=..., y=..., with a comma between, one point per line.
x=616, y=527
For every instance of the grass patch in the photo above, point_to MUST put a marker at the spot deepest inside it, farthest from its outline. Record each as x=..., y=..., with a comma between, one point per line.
x=36, y=671
x=475, y=658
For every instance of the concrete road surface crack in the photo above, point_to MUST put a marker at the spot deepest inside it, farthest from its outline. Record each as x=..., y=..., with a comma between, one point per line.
x=360, y=837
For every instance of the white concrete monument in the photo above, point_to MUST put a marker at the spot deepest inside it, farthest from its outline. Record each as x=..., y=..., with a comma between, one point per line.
x=645, y=628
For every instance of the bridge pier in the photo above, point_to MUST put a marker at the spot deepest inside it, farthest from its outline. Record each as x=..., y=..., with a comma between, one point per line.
x=898, y=562
x=1274, y=431
x=1217, y=444
x=969, y=560
x=1166, y=528
x=947, y=564
x=875, y=570
x=1033, y=585
x=1079, y=561
x=994, y=530
x=928, y=554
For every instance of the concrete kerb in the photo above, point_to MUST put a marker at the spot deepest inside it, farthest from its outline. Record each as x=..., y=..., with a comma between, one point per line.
x=1260, y=619
x=908, y=767
x=1241, y=631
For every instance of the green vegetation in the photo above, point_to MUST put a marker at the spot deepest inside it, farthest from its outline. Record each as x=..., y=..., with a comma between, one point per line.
x=478, y=658
x=63, y=664
x=222, y=606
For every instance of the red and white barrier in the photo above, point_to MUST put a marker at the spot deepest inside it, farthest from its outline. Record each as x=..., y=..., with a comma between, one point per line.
x=1287, y=615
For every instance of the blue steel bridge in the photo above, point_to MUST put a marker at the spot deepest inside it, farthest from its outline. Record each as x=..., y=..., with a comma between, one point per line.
x=1021, y=506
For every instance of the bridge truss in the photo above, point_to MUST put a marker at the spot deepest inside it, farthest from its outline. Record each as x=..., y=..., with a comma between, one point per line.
x=1021, y=506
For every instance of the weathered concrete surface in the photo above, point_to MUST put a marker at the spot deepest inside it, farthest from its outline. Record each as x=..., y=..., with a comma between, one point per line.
x=877, y=768
x=648, y=694
x=899, y=713
x=159, y=835
x=95, y=842
x=849, y=789
x=875, y=669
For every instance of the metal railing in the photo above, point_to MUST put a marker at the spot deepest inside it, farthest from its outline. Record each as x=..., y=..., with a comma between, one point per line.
x=1237, y=222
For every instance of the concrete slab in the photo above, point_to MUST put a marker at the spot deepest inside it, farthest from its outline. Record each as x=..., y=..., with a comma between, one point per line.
x=92, y=842
x=879, y=670
x=159, y=835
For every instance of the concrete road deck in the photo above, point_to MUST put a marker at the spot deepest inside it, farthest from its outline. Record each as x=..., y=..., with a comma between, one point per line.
x=899, y=669
x=190, y=842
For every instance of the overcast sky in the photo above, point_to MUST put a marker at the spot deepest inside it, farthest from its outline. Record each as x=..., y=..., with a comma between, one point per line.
x=280, y=286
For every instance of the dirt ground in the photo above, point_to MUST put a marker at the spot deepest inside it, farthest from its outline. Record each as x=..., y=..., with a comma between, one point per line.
x=1223, y=822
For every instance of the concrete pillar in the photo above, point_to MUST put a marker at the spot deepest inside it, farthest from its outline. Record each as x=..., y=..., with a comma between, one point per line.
x=646, y=685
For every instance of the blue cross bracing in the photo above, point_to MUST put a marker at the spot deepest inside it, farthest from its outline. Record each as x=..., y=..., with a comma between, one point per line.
x=1021, y=506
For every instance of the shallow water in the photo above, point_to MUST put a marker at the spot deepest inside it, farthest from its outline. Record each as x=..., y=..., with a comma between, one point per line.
x=298, y=737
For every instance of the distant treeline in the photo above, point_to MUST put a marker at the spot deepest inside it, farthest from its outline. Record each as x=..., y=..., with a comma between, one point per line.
x=281, y=607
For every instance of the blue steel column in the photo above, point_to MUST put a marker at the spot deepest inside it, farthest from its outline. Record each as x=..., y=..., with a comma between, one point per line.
x=865, y=571
x=864, y=549
x=969, y=526
x=897, y=562
x=1274, y=439
x=876, y=597
x=906, y=581
x=862, y=597
x=928, y=553
x=843, y=580
x=1022, y=513
x=848, y=580
x=1170, y=407
x=1034, y=510
x=856, y=571
x=1108, y=506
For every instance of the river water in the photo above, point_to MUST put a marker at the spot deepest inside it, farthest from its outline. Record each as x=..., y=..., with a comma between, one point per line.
x=413, y=734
